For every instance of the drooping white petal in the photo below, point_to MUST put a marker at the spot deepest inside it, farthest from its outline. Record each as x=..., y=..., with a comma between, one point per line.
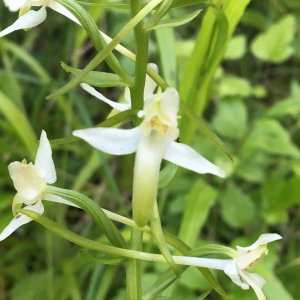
x=60, y=9
x=150, y=84
x=262, y=240
x=259, y=279
x=186, y=157
x=251, y=281
x=28, y=180
x=29, y=20
x=44, y=161
x=20, y=220
x=232, y=271
x=58, y=199
x=116, y=105
x=111, y=140
x=148, y=159
x=14, y=5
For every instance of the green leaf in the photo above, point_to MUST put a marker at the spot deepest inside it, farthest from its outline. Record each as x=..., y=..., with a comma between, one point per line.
x=234, y=86
x=198, y=203
x=19, y=122
x=94, y=210
x=274, y=45
x=236, y=48
x=175, y=22
x=231, y=118
x=99, y=79
x=108, y=259
x=237, y=208
x=270, y=136
x=166, y=175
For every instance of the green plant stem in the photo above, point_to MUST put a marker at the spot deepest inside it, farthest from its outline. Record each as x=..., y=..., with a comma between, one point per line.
x=133, y=267
x=107, y=50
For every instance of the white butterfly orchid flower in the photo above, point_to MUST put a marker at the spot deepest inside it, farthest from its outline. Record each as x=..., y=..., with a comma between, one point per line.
x=31, y=18
x=30, y=181
x=152, y=141
x=150, y=86
x=248, y=258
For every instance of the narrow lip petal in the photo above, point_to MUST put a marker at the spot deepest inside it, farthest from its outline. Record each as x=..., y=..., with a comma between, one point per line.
x=186, y=157
x=58, y=199
x=116, y=105
x=20, y=220
x=62, y=10
x=111, y=140
x=44, y=161
x=251, y=281
x=258, y=279
x=29, y=20
x=262, y=240
x=232, y=271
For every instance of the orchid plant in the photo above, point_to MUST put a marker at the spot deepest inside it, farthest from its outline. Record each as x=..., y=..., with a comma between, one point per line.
x=154, y=137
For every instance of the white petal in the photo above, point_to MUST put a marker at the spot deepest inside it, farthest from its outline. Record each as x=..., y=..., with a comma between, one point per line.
x=170, y=104
x=111, y=140
x=14, y=5
x=62, y=10
x=127, y=95
x=29, y=20
x=20, y=220
x=256, y=287
x=116, y=105
x=44, y=161
x=150, y=84
x=262, y=240
x=259, y=279
x=232, y=271
x=148, y=159
x=58, y=199
x=186, y=157
x=28, y=180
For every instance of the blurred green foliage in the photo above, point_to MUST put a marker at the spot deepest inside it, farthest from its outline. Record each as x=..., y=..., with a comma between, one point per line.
x=254, y=106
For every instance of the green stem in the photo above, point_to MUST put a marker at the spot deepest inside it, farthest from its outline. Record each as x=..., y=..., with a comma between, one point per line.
x=133, y=267
x=141, y=43
x=105, y=52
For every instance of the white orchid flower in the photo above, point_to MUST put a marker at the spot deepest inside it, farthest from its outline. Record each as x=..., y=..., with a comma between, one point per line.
x=152, y=141
x=150, y=86
x=248, y=258
x=30, y=181
x=31, y=18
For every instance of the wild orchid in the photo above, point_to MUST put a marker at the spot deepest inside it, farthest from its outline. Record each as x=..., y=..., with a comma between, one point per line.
x=30, y=18
x=152, y=141
x=150, y=86
x=30, y=181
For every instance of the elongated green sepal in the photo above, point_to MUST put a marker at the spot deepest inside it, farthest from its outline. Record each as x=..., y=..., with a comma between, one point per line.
x=175, y=22
x=94, y=210
x=108, y=259
x=160, y=239
x=99, y=79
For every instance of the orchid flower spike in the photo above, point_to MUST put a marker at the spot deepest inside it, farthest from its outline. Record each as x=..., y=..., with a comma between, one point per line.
x=30, y=181
x=152, y=141
x=150, y=86
x=247, y=259
x=30, y=18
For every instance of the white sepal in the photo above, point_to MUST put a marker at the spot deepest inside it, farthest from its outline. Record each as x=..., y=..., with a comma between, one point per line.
x=20, y=220
x=116, y=105
x=29, y=20
x=111, y=140
x=62, y=10
x=58, y=199
x=44, y=161
x=14, y=5
x=186, y=157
